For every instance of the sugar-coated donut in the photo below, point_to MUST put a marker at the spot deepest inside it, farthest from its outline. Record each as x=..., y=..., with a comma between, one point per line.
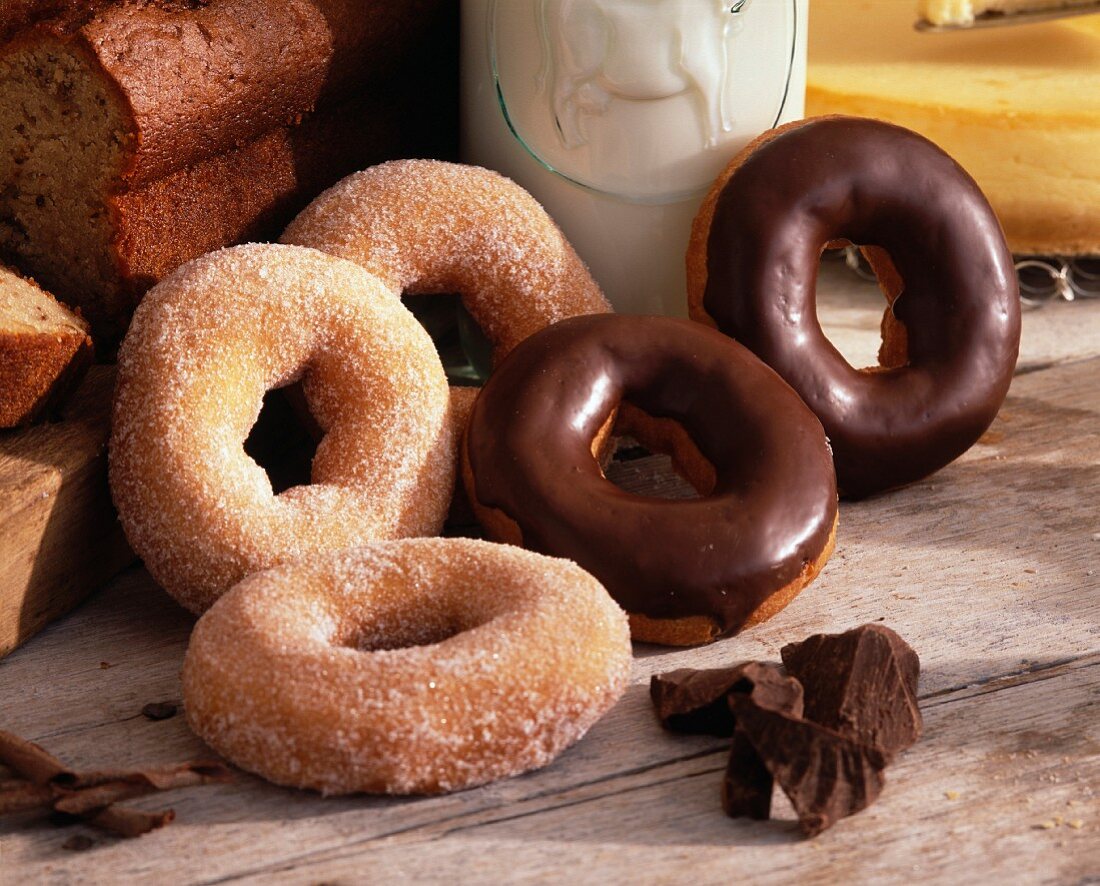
x=204, y=347
x=951, y=332
x=686, y=571
x=427, y=226
x=405, y=667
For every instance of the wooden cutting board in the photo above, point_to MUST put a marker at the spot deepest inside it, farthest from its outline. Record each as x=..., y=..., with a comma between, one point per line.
x=59, y=536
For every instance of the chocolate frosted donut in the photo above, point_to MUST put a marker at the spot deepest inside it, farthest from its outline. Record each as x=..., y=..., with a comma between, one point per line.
x=687, y=571
x=950, y=342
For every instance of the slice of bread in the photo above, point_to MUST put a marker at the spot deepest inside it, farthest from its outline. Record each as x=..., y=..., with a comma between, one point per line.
x=44, y=350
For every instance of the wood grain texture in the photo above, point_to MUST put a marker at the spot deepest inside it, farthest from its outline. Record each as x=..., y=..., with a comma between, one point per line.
x=990, y=569
x=984, y=780
x=59, y=539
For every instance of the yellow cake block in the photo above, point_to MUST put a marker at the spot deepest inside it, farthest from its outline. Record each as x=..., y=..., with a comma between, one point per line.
x=1018, y=107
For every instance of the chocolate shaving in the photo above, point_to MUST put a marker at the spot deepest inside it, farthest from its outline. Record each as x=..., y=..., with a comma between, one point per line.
x=158, y=778
x=694, y=701
x=125, y=786
x=24, y=796
x=827, y=776
x=47, y=784
x=862, y=683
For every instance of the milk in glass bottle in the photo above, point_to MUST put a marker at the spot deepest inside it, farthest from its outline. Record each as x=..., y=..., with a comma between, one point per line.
x=618, y=114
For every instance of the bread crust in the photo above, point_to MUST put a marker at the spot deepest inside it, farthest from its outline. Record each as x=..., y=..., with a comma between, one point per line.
x=249, y=193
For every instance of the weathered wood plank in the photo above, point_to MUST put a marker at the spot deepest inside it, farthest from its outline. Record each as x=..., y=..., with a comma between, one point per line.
x=1005, y=786
x=59, y=539
x=945, y=562
x=970, y=803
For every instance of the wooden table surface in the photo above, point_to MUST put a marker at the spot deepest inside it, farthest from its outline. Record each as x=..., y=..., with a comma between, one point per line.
x=990, y=569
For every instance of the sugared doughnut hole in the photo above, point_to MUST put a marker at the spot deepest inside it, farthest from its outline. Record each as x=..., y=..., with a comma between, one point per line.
x=464, y=350
x=284, y=440
x=374, y=638
x=421, y=619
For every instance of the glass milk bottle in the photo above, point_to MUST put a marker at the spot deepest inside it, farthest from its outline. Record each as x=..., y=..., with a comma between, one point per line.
x=618, y=114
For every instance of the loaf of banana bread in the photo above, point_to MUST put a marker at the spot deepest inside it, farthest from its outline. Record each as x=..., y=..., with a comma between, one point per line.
x=145, y=132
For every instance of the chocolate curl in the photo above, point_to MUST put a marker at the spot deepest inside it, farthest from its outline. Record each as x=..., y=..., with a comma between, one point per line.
x=127, y=822
x=30, y=761
x=158, y=778
x=93, y=796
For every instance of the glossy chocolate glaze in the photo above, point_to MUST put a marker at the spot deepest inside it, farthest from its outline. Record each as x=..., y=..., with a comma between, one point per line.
x=772, y=509
x=874, y=184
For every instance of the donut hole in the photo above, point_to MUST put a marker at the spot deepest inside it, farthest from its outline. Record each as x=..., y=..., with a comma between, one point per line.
x=463, y=348
x=382, y=634
x=284, y=438
x=842, y=314
x=658, y=456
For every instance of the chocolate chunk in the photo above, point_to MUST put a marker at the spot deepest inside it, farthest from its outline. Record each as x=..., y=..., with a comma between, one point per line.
x=862, y=684
x=826, y=775
x=824, y=731
x=701, y=702
x=747, y=784
x=695, y=701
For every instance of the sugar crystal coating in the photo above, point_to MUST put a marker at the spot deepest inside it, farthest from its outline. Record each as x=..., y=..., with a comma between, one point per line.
x=204, y=347
x=412, y=666
x=427, y=226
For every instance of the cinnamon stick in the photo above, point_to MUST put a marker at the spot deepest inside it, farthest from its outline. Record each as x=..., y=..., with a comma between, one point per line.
x=103, y=790
x=31, y=761
x=32, y=778
x=128, y=822
x=24, y=796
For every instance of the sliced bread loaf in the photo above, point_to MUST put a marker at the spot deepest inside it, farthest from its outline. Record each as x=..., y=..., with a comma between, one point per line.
x=110, y=101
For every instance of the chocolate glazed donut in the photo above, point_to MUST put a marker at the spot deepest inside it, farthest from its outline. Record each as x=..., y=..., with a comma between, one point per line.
x=687, y=571
x=950, y=342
